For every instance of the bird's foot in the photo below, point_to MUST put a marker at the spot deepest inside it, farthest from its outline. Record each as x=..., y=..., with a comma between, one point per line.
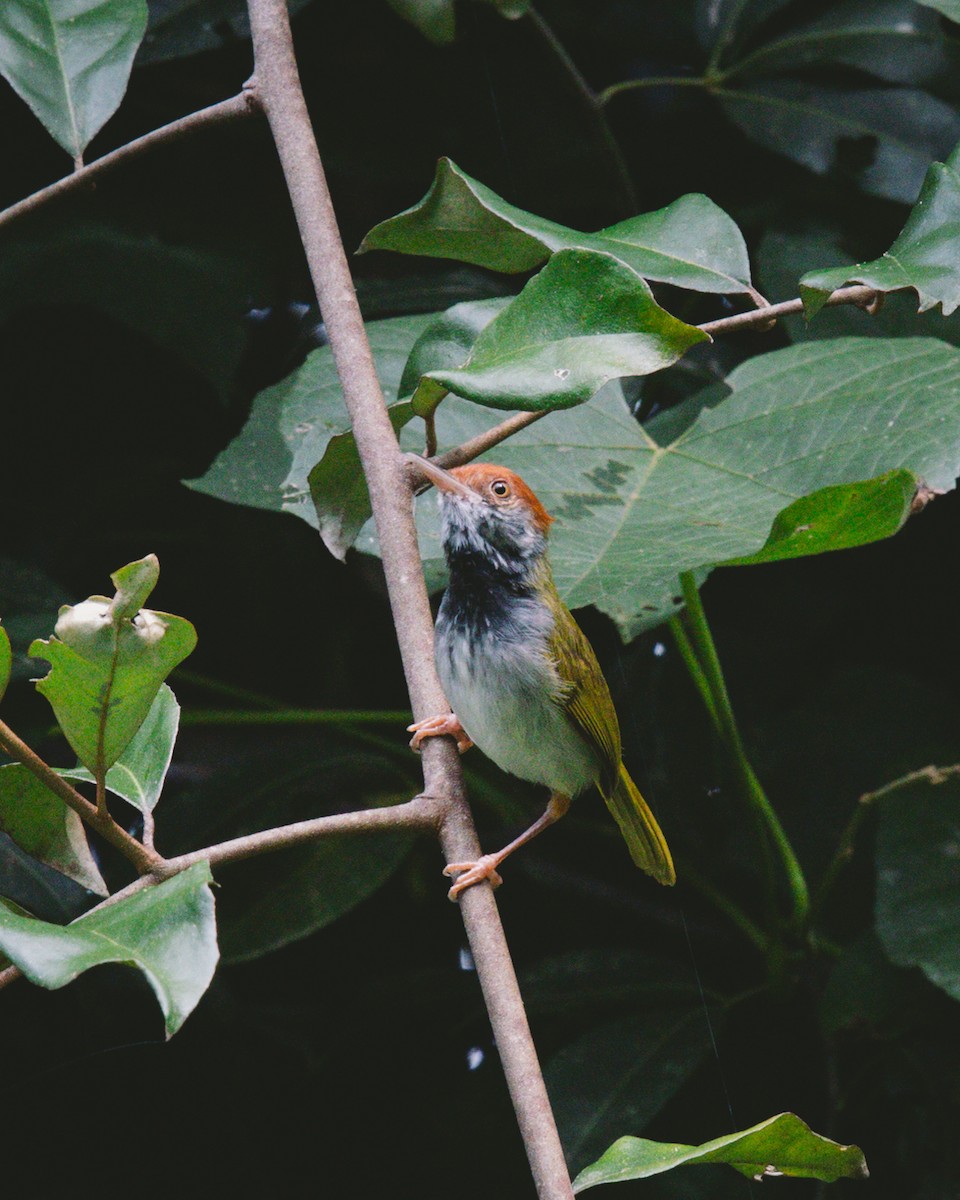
x=469, y=873
x=438, y=726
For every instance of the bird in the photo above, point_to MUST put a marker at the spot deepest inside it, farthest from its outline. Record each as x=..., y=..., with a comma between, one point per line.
x=523, y=681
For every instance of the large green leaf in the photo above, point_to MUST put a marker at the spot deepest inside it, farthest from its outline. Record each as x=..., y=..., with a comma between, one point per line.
x=949, y=8
x=635, y=506
x=585, y=319
x=883, y=137
x=167, y=931
x=42, y=825
x=619, y=1075
x=838, y=518
x=891, y=39
x=108, y=659
x=781, y=1145
x=138, y=774
x=690, y=243
x=291, y=425
x=721, y=24
x=918, y=883
x=70, y=60
x=925, y=257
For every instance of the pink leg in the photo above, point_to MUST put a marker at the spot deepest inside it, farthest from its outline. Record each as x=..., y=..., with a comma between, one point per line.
x=438, y=726
x=470, y=873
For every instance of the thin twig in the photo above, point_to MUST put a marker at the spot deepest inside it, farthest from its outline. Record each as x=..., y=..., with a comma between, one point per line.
x=859, y=295
x=848, y=839
x=761, y=318
x=478, y=445
x=384, y=467
x=143, y=858
x=422, y=812
x=242, y=105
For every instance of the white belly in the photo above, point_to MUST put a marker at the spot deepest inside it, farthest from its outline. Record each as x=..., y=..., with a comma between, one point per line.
x=504, y=696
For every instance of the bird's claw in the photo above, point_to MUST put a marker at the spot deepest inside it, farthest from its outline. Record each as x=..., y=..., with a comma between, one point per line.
x=444, y=724
x=469, y=873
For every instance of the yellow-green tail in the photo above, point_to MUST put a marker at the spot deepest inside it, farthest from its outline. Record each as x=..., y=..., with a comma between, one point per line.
x=644, y=837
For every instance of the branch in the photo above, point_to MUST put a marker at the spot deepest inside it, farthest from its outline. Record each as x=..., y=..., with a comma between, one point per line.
x=848, y=839
x=422, y=812
x=862, y=296
x=761, y=318
x=144, y=859
x=278, y=86
x=243, y=105
x=469, y=450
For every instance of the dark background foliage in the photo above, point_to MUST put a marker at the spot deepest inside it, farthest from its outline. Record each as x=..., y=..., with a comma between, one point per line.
x=137, y=322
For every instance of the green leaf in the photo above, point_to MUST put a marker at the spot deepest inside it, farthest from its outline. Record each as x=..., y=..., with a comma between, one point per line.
x=891, y=39
x=699, y=486
x=622, y=1073
x=925, y=257
x=691, y=243
x=338, y=487
x=837, y=518
x=6, y=660
x=318, y=885
x=141, y=282
x=781, y=1145
x=107, y=666
x=585, y=319
x=168, y=931
x=949, y=8
x=886, y=137
x=918, y=884
x=138, y=775
x=291, y=425
x=726, y=22
x=445, y=344
x=70, y=61
x=435, y=19
x=42, y=825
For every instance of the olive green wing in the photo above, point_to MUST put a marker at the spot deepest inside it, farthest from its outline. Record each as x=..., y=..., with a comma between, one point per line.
x=586, y=696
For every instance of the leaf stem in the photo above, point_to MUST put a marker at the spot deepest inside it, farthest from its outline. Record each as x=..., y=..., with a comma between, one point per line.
x=768, y=823
x=865, y=803
x=651, y=81
x=143, y=858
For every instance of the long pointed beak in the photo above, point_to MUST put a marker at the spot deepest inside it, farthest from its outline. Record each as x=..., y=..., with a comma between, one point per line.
x=440, y=478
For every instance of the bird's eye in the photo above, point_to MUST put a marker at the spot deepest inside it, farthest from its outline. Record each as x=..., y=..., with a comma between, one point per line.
x=500, y=487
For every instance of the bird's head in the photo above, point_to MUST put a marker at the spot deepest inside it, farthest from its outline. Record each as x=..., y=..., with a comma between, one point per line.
x=489, y=511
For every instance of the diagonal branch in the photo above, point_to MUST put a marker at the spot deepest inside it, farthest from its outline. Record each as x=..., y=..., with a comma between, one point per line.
x=243, y=105
x=278, y=85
